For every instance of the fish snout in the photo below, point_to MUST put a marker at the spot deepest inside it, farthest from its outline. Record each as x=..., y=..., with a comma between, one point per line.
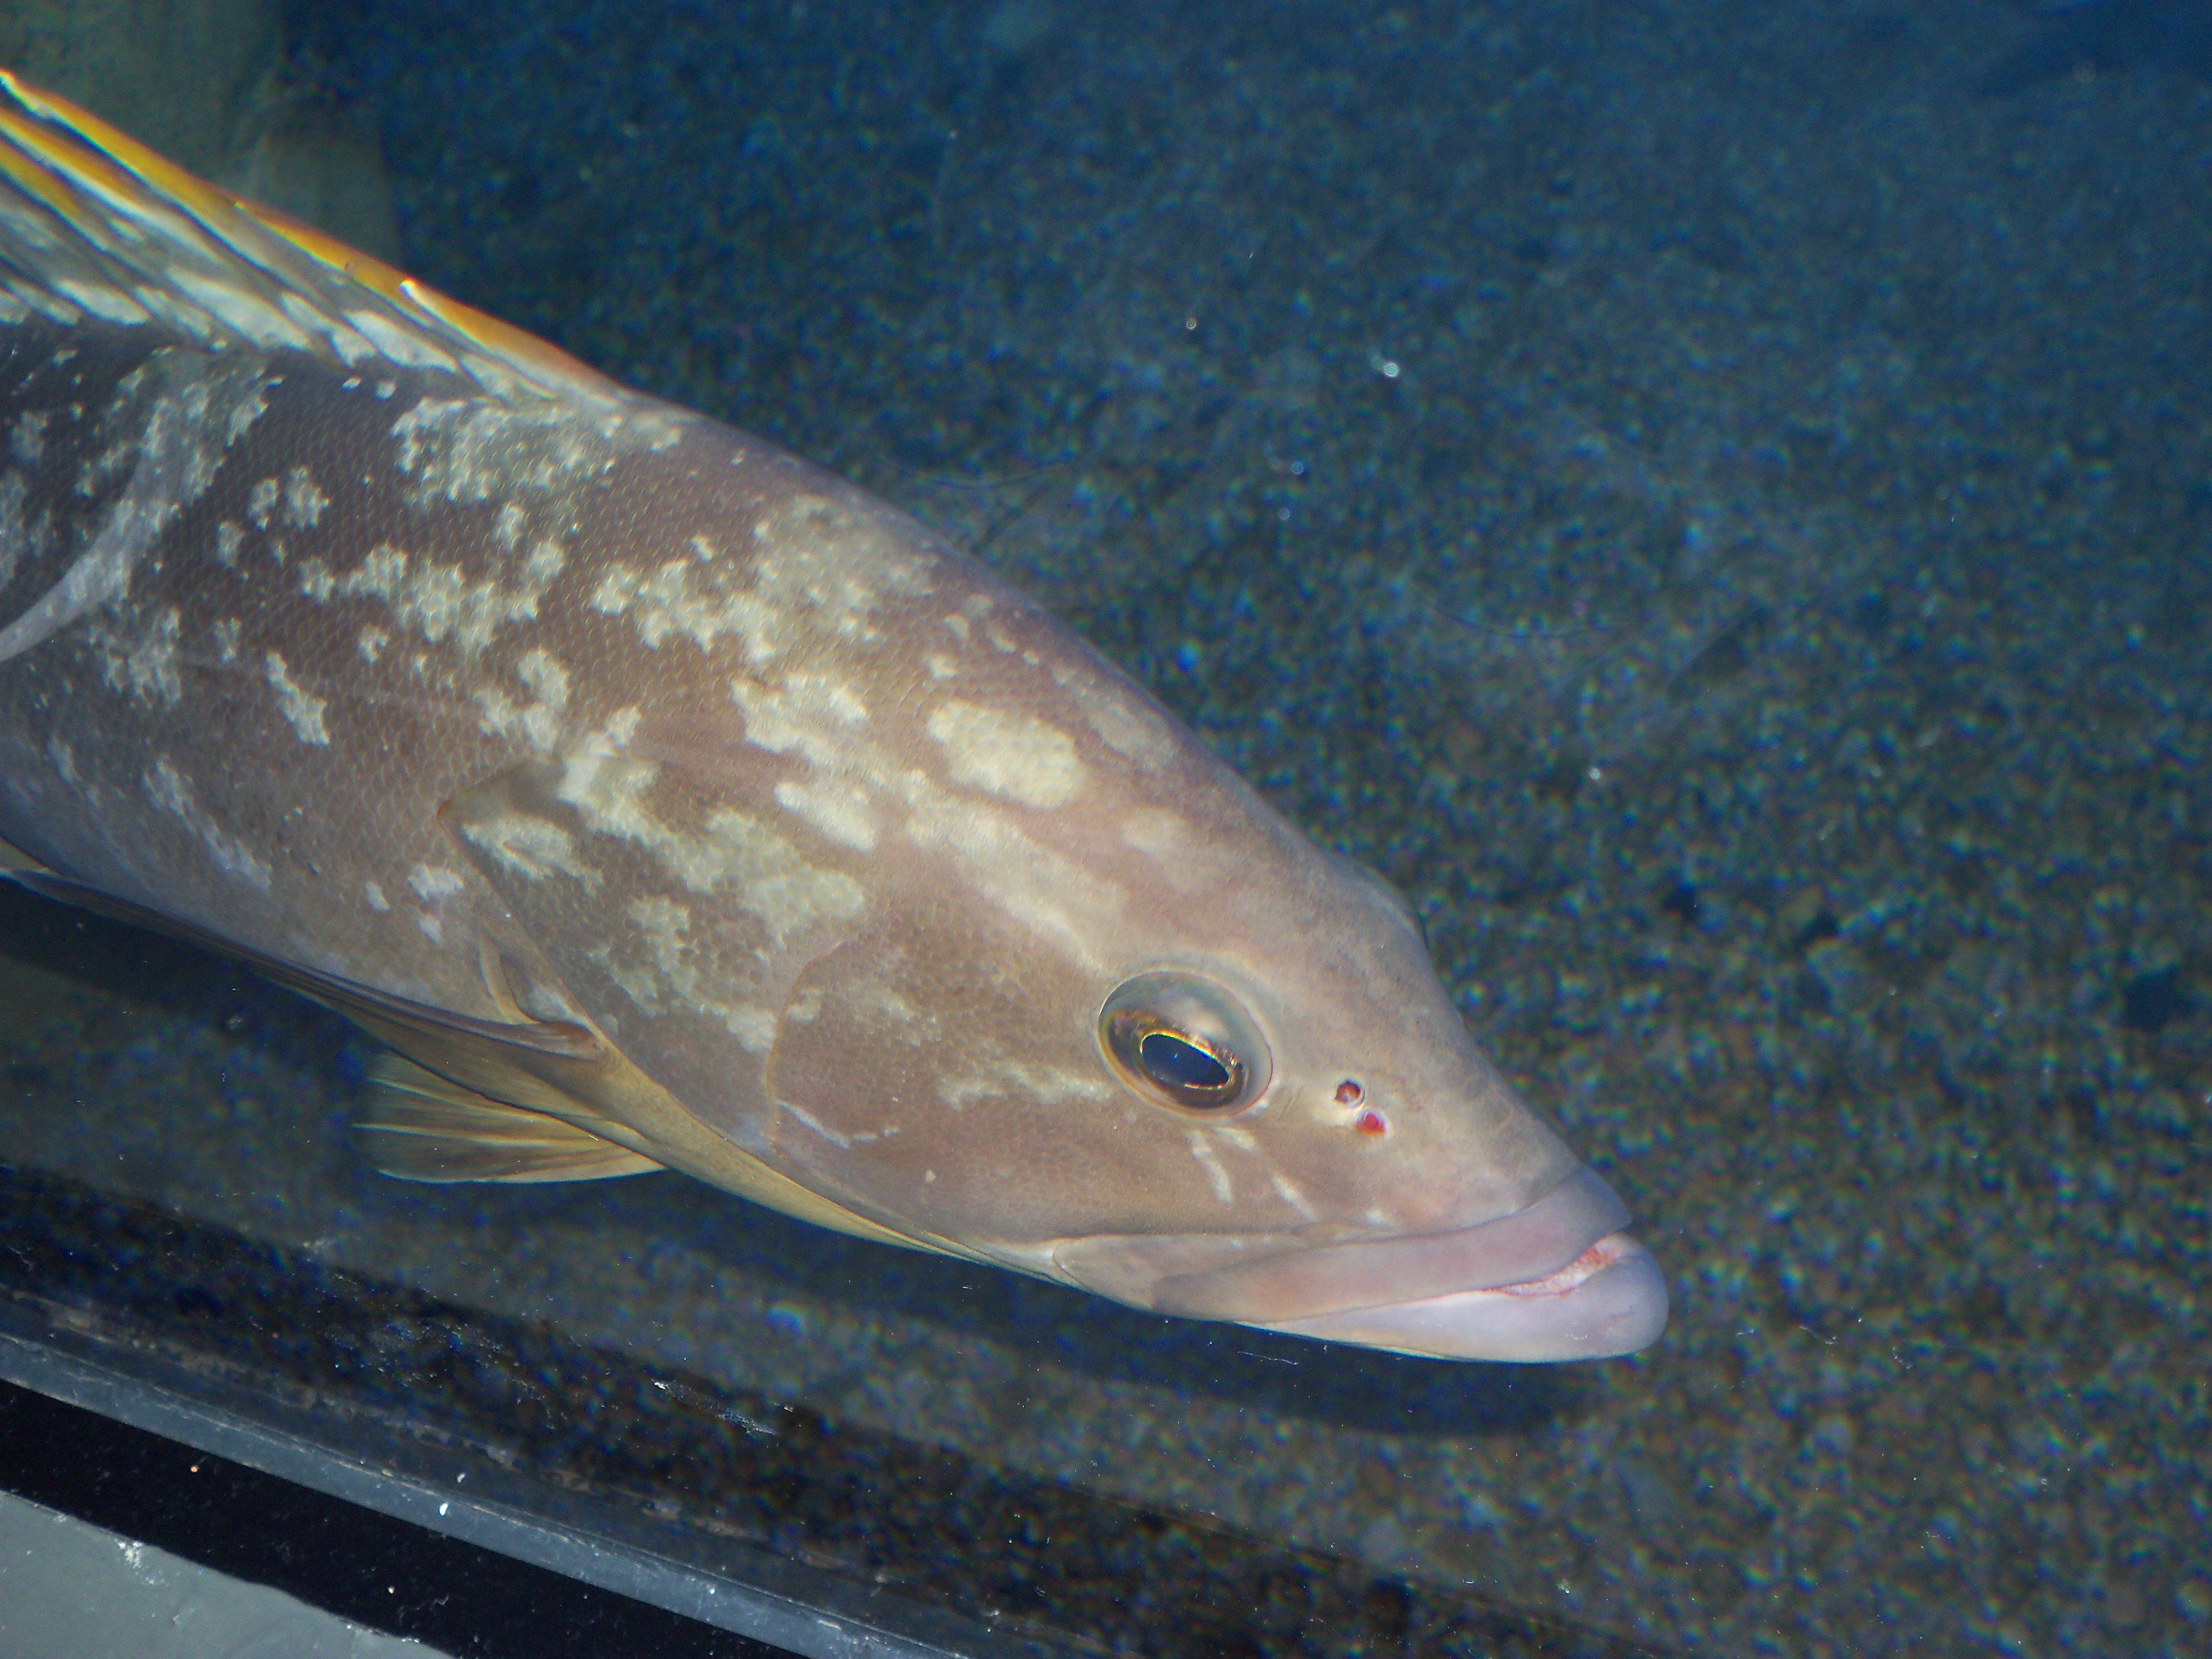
x=1556, y=1279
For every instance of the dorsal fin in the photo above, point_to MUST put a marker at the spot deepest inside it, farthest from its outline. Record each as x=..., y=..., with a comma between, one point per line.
x=92, y=222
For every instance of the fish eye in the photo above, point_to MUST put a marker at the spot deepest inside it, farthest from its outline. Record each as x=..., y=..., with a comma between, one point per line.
x=1182, y=1041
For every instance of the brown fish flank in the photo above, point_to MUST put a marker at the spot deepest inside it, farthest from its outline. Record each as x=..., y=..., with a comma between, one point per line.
x=668, y=802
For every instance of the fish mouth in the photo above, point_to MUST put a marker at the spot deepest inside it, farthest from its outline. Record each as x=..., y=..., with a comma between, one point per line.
x=1559, y=1278
x=1609, y=1300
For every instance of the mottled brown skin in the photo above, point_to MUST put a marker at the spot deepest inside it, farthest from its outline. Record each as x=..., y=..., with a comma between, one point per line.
x=839, y=841
x=664, y=802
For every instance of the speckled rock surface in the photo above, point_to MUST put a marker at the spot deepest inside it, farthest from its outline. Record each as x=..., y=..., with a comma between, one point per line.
x=1714, y=502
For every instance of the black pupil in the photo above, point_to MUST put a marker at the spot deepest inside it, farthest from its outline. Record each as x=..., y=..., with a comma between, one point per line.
x=1174, y=1064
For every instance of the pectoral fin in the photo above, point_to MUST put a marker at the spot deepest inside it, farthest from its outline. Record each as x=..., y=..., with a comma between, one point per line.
x=548, y=1069
x=13, y=861
x=418, y=1125
x=543, y=1068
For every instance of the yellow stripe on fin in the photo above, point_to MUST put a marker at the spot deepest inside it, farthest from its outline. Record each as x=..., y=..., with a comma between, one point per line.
x=14, y=860
x=94, y=219
x=416, y=1126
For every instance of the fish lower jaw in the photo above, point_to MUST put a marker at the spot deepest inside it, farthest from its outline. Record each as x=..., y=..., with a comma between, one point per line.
x=1610, y=1300
x=1559, y=1278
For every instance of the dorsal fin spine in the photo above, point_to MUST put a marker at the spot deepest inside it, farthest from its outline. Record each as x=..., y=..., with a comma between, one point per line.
x=103, y=187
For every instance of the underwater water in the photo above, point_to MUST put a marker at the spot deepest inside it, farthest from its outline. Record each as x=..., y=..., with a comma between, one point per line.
x=1713, y=502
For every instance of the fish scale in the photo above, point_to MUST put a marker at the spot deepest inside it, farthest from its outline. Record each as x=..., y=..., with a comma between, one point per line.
x=663, y=802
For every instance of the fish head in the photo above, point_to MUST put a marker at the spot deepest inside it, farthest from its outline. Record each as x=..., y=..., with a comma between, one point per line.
x=1164, y=1047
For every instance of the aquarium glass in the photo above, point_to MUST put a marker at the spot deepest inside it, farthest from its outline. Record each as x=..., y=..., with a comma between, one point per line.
x=1712, y=501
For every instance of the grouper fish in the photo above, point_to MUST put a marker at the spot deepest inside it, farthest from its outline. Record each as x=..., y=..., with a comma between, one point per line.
x=663, y=802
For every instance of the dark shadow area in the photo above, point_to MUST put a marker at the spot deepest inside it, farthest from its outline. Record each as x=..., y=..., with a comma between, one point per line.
x=348, y=1561
x=2104, y=36
x=142, y=970
x=603, y=1442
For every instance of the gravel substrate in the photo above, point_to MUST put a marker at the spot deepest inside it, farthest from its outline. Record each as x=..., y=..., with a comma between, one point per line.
x=1714, y=501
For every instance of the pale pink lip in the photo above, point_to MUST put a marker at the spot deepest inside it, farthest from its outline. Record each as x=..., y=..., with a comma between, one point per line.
x=1556, y=1279
x=1611, y=1299
x=1533, y=1242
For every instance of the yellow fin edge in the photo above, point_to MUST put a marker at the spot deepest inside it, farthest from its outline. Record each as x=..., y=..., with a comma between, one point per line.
x=74, y=142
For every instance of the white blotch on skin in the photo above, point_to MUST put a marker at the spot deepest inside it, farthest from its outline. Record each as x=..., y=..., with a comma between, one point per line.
x=733, y=852
x=171, y=449
x=372, y=642
x=432, y=884
x=539, y=723
x=172, y=792
x=439, y=601
x=1001, y=1077
x=229, y=537
x=374, y=895
x=1189, y=862
x=1287, y=1190
x=816, y=1124
x=1123, y=723
x=433, y=929
x=305, y=713
x=817, y=569
x=1156, y=832
x=809, y=713
x=544, y=563
x=226, y=640
x=145, y=666
x=531, y=848
x=838, y=809
x=669, y=603
x=1011, y=755
x=304, y=500
x=543, y=672
x=670, y=972
x=755, y=1029
x=1206, y=1161
x=475, y=449
x=1055, y=897
x=261, y=502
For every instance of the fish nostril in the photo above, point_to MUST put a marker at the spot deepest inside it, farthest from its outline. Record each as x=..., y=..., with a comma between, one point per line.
x=1349, y=1093
x=1370, y=1122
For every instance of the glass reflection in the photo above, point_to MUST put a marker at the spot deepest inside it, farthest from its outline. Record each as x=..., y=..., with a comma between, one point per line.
x=1713, y=509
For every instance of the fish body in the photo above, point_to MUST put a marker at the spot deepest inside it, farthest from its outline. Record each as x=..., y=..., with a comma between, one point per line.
x=665, y=802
